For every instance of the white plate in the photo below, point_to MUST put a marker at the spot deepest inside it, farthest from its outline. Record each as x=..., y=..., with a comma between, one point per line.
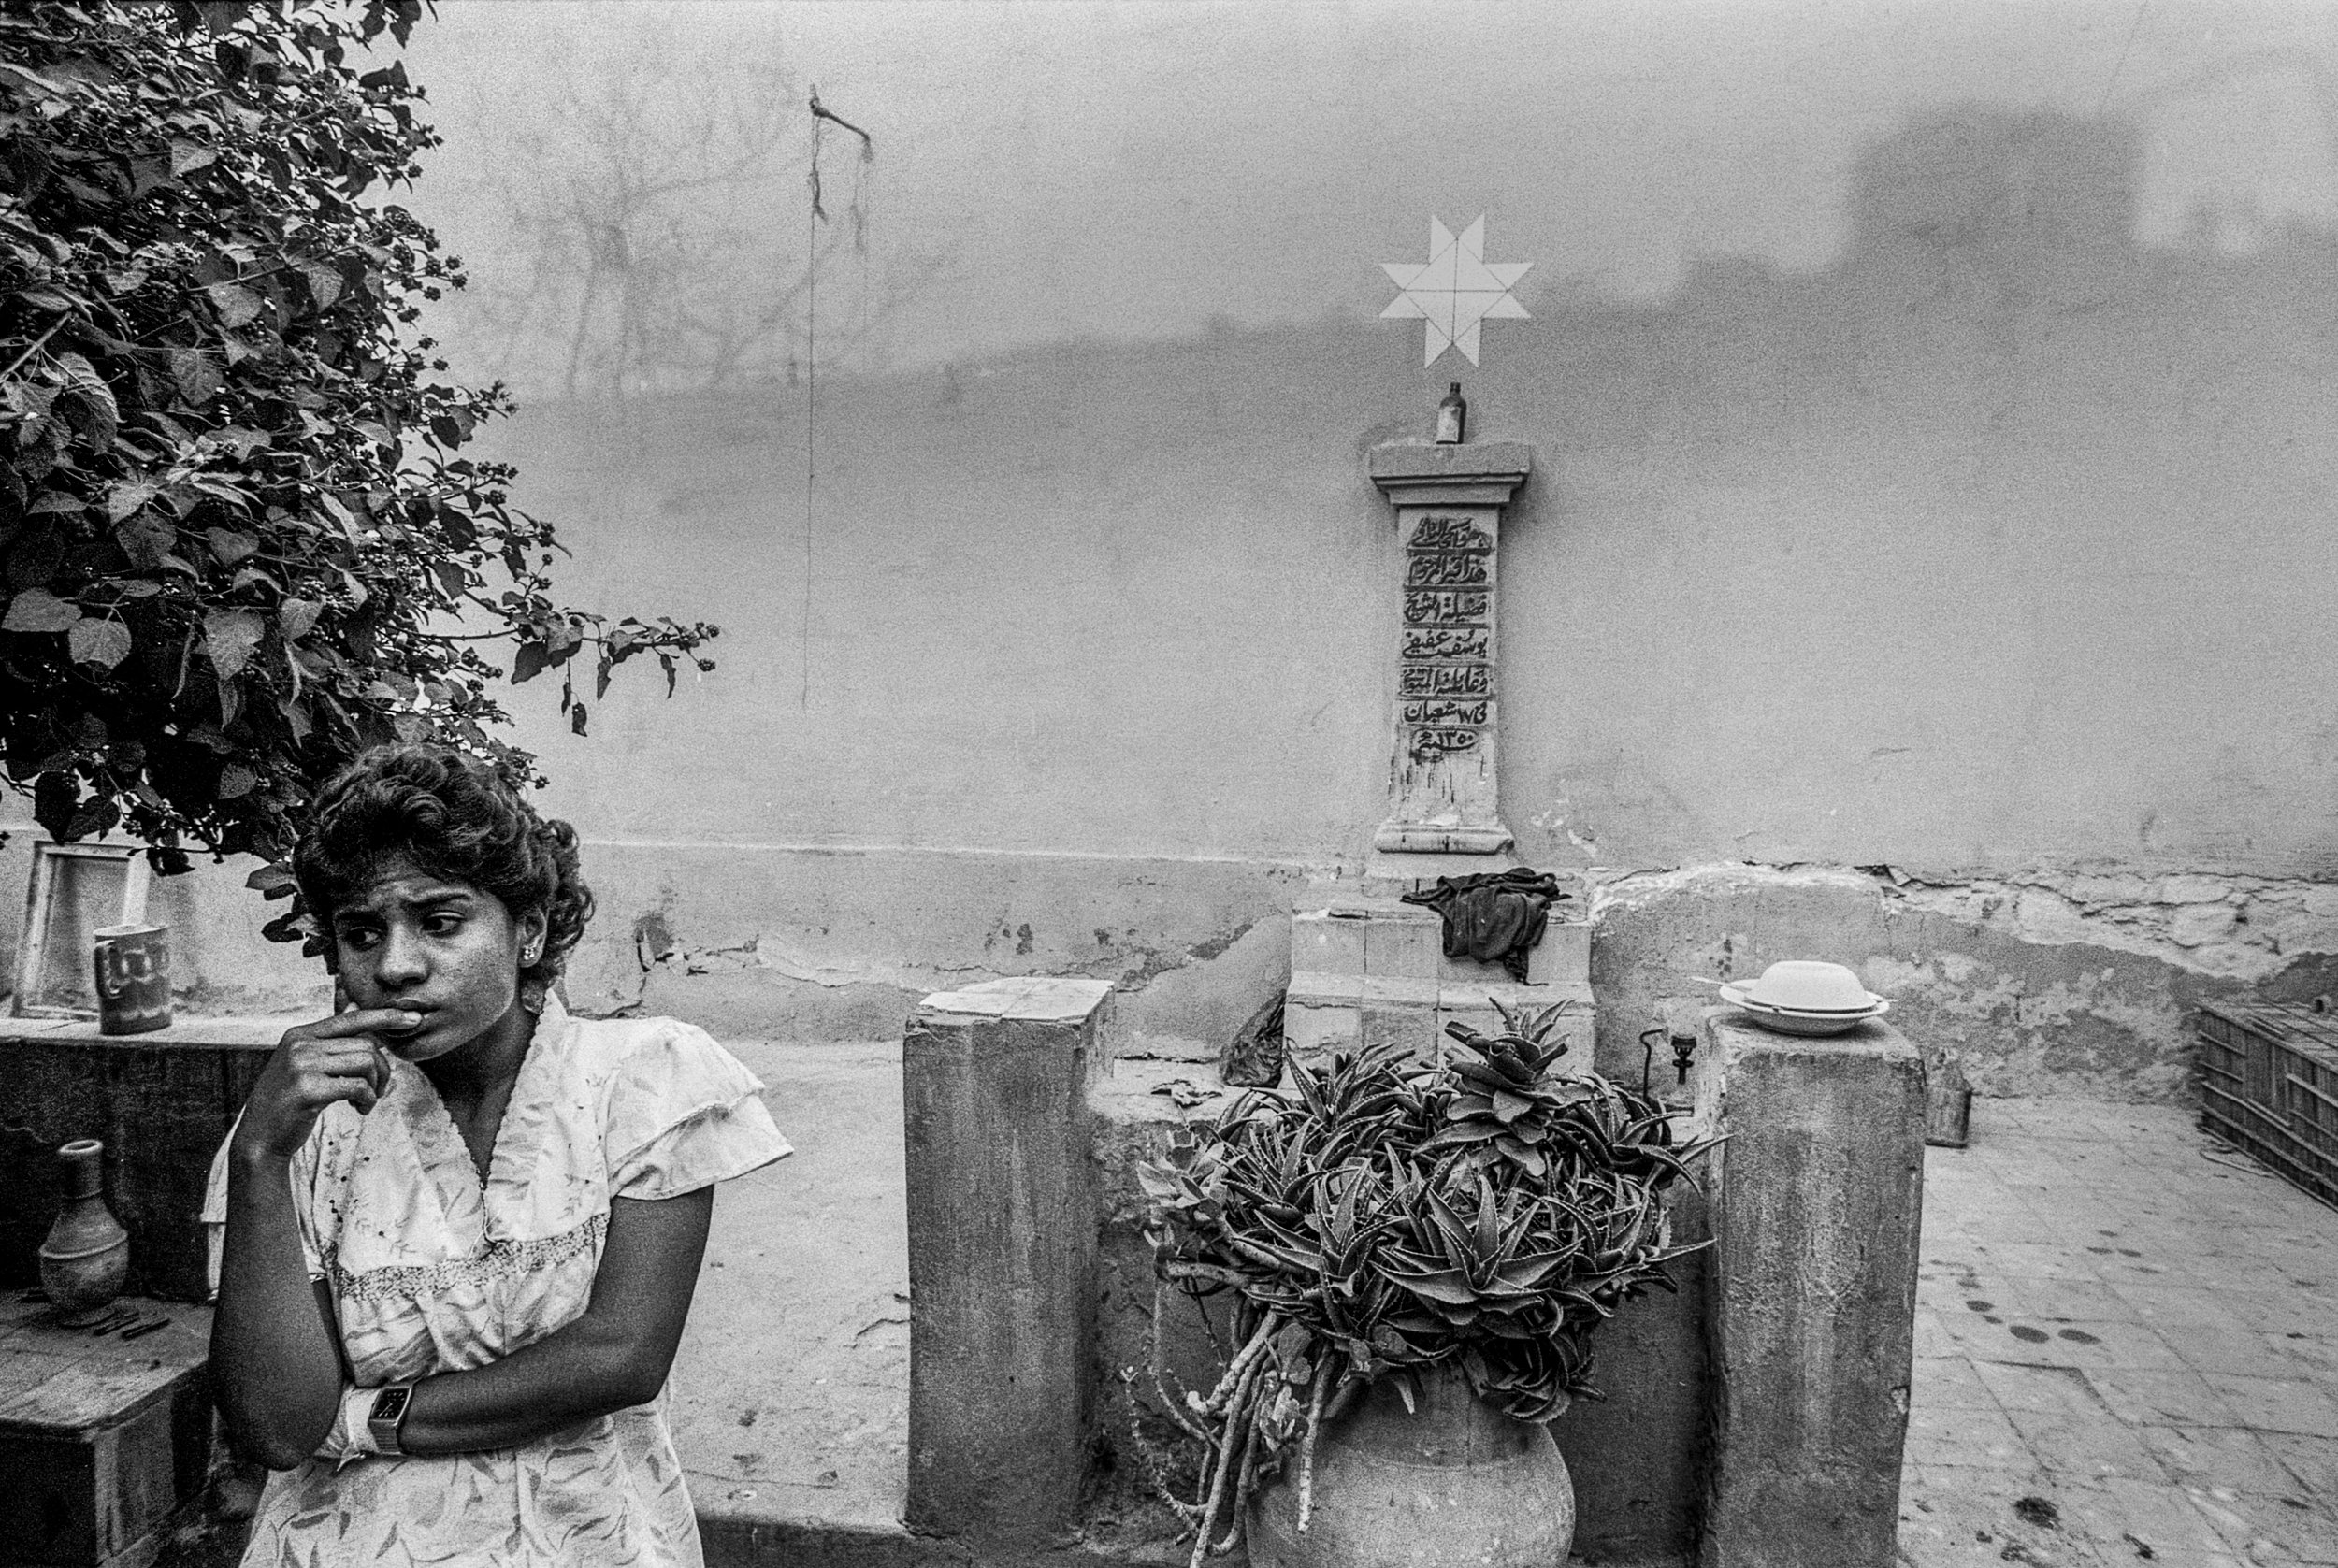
x=1790, y=1021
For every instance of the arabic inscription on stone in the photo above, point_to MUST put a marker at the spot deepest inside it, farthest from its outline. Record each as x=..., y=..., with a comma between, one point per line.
x=1446, y=673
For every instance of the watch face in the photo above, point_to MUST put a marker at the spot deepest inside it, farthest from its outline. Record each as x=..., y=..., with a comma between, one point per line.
x=390, y=1404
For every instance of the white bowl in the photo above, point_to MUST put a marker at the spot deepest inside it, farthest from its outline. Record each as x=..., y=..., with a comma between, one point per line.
x=1805, y=985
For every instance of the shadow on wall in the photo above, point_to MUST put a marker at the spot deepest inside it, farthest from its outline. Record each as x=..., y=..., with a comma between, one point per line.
x=1997, y=553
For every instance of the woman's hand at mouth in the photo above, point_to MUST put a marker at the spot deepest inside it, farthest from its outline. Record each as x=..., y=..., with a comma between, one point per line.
x=341, y=1057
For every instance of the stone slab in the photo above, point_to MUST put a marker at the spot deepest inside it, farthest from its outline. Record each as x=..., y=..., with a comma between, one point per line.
x=1357, y=933
x=1030, y=998
x=1328, y=941
x=1389, y=875
x=1813, y=1287
x=1452, y=460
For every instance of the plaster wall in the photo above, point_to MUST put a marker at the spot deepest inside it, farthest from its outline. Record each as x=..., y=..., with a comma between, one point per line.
x=1937, y=480
x=1990, y=563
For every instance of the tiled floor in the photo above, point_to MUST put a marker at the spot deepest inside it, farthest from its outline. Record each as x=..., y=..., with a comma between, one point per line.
x=2126, y=1342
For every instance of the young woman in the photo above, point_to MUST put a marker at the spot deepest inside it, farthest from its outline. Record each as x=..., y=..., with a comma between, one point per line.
x=461, y=1227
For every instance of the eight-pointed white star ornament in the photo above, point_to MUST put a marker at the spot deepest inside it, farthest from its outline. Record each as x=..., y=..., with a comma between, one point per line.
x=1457, y=290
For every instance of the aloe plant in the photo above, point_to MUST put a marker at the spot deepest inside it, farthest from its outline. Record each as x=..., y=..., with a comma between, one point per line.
x=1382, y=1217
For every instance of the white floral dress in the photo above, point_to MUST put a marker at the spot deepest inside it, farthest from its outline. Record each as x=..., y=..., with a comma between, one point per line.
x=431, y=1272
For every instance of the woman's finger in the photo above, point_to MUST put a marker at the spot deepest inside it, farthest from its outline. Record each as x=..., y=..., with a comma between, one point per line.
x=359, y=1021
x=318, y=1087
x=358, y=1055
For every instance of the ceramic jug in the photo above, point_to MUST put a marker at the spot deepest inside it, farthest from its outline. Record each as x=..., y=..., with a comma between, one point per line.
x=1452, y=1483
x=87, y=1255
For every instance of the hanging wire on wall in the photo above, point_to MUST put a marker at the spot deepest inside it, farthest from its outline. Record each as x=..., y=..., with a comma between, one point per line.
x=821, y=118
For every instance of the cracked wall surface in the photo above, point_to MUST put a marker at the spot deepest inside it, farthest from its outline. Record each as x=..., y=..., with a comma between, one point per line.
x=2041, y=980
x=842, y=943
x=2039, y=983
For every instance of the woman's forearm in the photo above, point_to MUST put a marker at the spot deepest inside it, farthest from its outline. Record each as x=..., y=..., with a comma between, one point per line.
x=614, y=1356
x=275, y=1365
x=586, y=1369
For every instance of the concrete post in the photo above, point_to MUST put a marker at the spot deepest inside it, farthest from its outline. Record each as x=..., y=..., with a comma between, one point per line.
x=1002, y=1256
x=1812, y=1278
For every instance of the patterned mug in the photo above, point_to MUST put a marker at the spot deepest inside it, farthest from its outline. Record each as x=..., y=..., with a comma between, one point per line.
x=132, y=965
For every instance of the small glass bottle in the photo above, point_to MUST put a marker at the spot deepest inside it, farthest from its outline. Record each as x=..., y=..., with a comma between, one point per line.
x=1452, y=417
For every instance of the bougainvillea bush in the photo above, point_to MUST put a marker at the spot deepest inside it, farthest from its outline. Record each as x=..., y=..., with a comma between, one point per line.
x=239, y=541
x=1385, y=1217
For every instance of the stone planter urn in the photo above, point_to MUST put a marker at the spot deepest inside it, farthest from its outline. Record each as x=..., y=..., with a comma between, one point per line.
x=86, y=1256
x=1454, y=1482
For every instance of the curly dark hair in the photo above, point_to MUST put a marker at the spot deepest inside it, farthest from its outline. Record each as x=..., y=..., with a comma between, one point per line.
x=456, y=818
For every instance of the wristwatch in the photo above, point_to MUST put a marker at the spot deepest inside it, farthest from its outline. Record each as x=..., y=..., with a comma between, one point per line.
x=389, y=1411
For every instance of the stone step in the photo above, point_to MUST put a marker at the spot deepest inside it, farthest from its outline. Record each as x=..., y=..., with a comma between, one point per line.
x=1389, y=939
x=1323, y=1012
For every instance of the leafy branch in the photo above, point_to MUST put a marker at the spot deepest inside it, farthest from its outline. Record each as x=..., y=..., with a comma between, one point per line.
x=241, y=539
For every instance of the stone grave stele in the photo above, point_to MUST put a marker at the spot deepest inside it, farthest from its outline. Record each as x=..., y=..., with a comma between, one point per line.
x=1365, y=967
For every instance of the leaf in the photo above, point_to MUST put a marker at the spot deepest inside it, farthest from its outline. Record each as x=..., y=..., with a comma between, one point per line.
x=229, y=547
x=126, y=496
x=230, y=637
x=237, y=305
x=38, y=610
x=188, y=156
x=273, y=880
x=103, y=642
x=325, y=283
x=295, y=618
x=1450, y=1286
x=1527, y=1155
x=56, y=801
x=92, y=411
x=23, y=75
x=198, y=379
x=452, y=429
x=577, y=718
x=146, y=538
x=236, y=780
x=529, y=662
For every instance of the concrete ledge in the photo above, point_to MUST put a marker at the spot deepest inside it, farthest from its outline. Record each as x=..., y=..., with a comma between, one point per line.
x=1419, y=473
x=1812, y=1286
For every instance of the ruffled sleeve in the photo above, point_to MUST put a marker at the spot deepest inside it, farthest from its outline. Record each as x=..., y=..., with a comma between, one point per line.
x=215, y=1215
x=685, y=1114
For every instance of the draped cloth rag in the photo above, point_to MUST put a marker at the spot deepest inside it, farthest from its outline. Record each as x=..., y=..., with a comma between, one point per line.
x=1494, y=917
